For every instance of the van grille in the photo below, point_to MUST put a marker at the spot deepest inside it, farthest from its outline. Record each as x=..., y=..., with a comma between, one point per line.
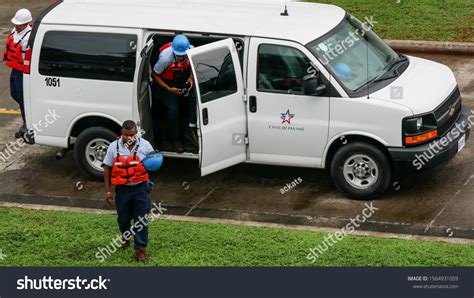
x=447, y=113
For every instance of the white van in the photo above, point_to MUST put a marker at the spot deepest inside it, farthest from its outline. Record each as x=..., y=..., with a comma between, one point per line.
x=308, y=87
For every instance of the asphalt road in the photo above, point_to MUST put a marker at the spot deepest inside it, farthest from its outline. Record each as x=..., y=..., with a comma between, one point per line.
x=437, y=202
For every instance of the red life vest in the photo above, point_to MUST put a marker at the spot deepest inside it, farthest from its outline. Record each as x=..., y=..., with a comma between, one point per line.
x=13, y=53
x=169, y=73
x=128, y=169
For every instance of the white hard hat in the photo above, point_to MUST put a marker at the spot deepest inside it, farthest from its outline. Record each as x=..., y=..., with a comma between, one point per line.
x=22, y=16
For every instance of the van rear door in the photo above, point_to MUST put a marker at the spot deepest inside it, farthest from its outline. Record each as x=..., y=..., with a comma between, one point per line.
x=221, y=105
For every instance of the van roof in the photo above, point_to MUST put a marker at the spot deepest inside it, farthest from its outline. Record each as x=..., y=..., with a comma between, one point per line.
x=306, y=21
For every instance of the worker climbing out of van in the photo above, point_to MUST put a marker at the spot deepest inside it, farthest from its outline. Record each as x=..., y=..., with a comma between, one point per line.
x=14, y=57
x=172, y=73
x=126, y=166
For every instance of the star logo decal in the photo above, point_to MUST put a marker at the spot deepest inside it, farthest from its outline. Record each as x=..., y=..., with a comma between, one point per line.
x=286, y=117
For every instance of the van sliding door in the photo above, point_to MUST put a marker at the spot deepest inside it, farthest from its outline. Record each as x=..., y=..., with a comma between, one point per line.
x=144, y=93
x=221, y=106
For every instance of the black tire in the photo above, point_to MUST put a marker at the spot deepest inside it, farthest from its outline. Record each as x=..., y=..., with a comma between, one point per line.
x=102, y=135
x=368, y=171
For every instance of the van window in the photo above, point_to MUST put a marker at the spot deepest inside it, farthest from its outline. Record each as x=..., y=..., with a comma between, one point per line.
x=215, y=74
x=281, y=69
x=96, y=56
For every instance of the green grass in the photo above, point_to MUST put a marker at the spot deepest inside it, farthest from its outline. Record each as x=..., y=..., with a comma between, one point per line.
x=47, y=238
x=442, y=20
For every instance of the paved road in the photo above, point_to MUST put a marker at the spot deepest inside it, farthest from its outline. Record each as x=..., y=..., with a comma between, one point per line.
x=438, y=202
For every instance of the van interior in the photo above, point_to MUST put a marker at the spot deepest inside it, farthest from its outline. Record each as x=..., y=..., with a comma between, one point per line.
x=153, y=113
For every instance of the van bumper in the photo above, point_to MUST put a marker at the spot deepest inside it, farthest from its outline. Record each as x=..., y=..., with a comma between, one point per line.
x=411, y=159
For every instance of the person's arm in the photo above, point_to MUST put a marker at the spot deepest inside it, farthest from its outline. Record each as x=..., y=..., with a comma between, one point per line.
x=190, y=82
x=157, y=78
x=108, y=185
x=107, y=164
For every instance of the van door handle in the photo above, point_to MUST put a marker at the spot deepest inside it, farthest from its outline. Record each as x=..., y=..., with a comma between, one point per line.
x=205, y=116
x=253, y=104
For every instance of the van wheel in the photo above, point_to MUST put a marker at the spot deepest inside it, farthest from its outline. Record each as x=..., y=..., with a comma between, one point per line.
x=361, y=171
x=90, y=149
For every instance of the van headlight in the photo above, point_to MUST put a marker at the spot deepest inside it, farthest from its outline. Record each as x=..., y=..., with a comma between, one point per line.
x=419, y=129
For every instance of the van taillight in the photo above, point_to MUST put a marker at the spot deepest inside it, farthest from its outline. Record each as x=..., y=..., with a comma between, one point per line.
x=27, y=61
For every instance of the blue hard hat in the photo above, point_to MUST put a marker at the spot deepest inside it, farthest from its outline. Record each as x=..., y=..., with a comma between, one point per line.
x=343, y=71
x=180, y=45
x=153, y=161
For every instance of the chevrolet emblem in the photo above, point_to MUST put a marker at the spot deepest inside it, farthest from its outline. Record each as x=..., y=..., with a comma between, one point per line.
x=452, y=110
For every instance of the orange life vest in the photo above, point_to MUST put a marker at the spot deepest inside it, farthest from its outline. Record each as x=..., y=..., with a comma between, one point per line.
x=13, y=53
x=169, y=73
x=128, y=169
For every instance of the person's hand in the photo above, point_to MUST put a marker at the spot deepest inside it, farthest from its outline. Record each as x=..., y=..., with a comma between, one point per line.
x=190, y=83
x=176, y=91
x=109, y=198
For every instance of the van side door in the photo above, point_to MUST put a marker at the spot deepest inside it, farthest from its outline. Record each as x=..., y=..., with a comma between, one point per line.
x=285, y=126
x=221, y=105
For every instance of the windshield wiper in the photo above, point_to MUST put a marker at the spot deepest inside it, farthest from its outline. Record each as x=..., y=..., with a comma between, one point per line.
x=401, y=58
x=383, y=77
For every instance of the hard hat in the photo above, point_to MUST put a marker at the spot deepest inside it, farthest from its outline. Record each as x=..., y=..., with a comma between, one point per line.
x=153, y=161
x=22, y=16
x=343, y=71
x=180, y=45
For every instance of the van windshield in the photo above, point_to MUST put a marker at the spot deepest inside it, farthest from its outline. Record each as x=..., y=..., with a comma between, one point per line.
x=354, y=54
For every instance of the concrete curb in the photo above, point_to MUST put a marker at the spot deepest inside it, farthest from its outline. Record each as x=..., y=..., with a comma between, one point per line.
x=434, y=47
x=255, y=224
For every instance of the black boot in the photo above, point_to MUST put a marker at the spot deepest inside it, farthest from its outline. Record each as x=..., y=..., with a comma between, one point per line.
x=191, y=135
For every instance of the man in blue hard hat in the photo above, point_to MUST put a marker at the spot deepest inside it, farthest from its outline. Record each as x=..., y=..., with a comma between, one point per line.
x=172, y=73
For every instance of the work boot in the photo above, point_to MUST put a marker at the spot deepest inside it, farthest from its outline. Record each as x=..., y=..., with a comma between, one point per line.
x=166, y=146
x=178, y=147
x=126, y=243
x=140, y=255
x=191, y=135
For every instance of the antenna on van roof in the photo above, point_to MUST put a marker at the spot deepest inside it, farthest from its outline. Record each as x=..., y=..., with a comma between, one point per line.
x=285, y=12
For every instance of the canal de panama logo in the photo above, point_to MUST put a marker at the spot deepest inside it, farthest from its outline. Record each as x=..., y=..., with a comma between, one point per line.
x=286, y=117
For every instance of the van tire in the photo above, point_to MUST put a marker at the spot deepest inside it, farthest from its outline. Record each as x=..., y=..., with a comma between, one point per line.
x=361, y=171
x=93, y=137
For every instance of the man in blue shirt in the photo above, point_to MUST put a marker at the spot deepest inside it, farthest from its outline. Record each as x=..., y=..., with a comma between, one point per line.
x=173, y=75
x=123, y=168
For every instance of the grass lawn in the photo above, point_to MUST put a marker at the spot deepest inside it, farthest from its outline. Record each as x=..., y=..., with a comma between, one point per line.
x=47, y=238
x=445, y=20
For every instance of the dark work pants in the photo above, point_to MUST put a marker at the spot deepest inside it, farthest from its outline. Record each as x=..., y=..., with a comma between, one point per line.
x=16, y=89
x=133, y=202
x=172, y=103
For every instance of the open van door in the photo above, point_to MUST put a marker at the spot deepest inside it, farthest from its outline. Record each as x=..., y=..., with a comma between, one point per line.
x=144, y=92
x=221, y=105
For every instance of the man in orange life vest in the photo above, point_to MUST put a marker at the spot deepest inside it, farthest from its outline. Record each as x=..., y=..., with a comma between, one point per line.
x=14, y=55
x=173, y=75
x=123, y=168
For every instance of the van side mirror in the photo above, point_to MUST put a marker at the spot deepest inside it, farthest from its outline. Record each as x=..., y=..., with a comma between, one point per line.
x=311, y=85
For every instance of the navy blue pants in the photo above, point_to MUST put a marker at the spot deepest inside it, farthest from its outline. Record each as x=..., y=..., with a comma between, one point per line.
x=16, y=90
x=133, y=203
x=172, y=103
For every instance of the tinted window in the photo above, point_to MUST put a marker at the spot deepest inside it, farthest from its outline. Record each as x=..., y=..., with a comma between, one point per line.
x=281, y=69
x=215, y=74
x=99, y=56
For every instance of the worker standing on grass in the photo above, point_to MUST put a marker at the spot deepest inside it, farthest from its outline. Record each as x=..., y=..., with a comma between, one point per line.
x=126, y=166
x=14, y=57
